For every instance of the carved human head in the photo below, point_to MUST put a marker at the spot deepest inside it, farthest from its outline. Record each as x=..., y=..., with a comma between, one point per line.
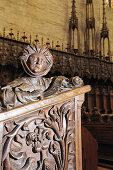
x=36, y=60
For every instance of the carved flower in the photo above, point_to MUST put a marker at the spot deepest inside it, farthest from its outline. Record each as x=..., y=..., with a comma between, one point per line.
x=30, y=138
x=39, y=139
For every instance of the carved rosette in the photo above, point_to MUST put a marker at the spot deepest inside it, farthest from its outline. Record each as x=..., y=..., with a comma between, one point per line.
x=45, y=140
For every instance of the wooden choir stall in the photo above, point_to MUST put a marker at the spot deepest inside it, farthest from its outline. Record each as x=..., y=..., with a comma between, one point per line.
x=43, y=135
x=40, y=118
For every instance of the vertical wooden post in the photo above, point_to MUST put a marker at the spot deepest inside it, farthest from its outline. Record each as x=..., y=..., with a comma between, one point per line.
x=78, y=104
x=1, y=136
x=105, y=100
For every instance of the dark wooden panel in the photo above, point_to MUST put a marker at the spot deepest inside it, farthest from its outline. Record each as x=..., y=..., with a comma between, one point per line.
x=103, y=133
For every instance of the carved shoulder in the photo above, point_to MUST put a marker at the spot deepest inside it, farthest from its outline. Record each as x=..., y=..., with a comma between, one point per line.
x=14, y=83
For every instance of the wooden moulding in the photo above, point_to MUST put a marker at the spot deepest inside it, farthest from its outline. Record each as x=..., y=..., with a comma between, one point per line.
x=52, y=100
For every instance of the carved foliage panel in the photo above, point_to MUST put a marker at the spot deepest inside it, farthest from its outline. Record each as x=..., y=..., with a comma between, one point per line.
x=44, y=140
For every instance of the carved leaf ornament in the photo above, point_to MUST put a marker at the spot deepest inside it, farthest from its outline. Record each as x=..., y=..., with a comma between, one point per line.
x=44, y=141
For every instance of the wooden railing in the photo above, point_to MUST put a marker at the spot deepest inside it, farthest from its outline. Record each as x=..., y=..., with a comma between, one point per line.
x=43, y=135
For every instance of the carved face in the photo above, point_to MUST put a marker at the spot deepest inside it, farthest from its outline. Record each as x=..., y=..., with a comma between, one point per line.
x=37, y=62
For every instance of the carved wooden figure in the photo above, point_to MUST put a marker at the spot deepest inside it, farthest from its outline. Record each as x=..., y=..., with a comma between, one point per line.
x=36, y=61
x=45, y=134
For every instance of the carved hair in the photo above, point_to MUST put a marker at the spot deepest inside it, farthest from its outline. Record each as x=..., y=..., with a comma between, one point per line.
x=31, y=49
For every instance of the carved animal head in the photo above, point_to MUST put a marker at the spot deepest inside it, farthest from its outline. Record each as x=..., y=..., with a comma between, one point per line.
x=77, y=81
x=36, y=60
